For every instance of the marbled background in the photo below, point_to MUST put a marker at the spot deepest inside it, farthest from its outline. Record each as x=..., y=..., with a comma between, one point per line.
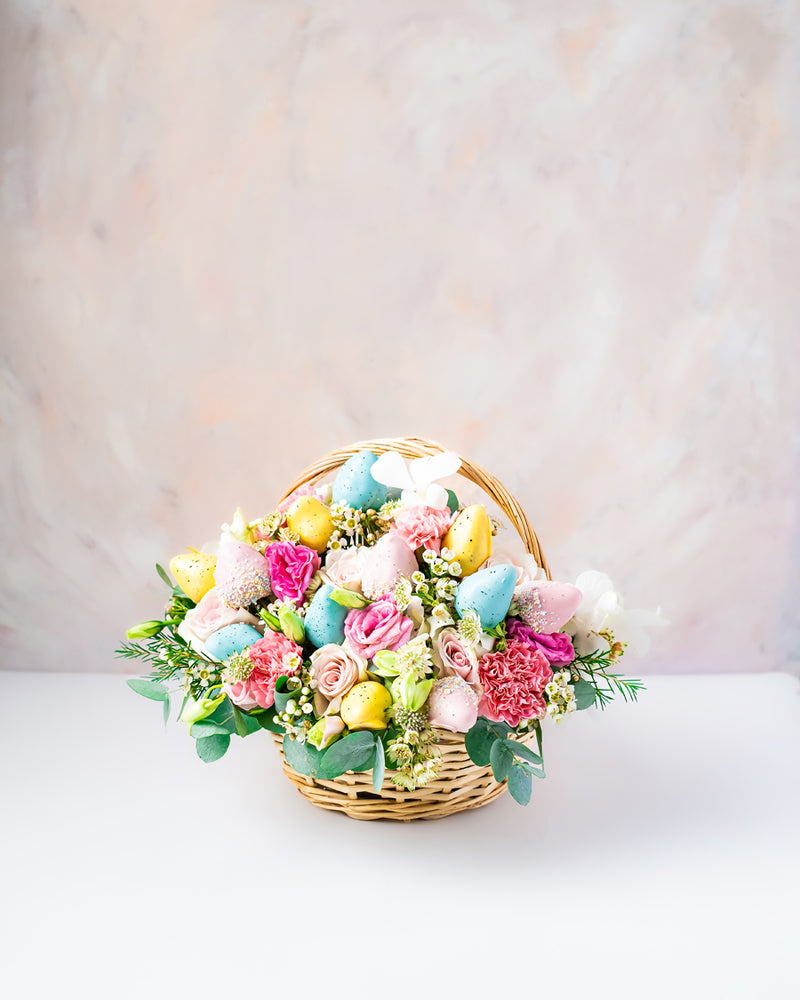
x=560, y=237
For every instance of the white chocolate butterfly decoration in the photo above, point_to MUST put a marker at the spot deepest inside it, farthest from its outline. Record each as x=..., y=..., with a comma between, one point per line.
x=417, y=480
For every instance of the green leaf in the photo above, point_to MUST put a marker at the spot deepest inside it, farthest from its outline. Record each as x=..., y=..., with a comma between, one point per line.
x=479, y=742
x=211, y=748
x=164, y=576
x=501, y=759
x=520, y=750
x=154, y=690
x=166, y=709
x=245, y=724
x=538, y=731
x=302, y=757
x=267, y=721
x=585, y=694
x=282, y=694
x=519, y=784
x=379, y=767
x=531, y=769
x=199, y=730
x=354, y=752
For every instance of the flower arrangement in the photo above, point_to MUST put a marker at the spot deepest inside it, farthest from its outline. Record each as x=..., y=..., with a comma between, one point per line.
x=365, y=619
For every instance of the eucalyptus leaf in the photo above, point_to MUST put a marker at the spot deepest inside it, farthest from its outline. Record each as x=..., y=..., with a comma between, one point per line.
x=354, y=752
x=199, y=730
x=245, y=724
x=501, y=759
x=379, y=767
x=538, y=731
x=479, y=742
x=520, y=750
x=302, y=757
x=267, y=721
x=519, y=785
x=154, y=690
x=283, y=694
x=211, y=748
x=585, y=694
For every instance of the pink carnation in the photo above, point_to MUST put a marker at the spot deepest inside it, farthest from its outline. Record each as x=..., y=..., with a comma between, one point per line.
x=376, y=627
x=272, y=656
x=422, y=526
x=513, y=683
x=290, y=569
x=557, y=646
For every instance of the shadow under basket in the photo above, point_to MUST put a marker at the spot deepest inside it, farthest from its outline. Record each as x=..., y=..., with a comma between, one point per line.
x=460, y=784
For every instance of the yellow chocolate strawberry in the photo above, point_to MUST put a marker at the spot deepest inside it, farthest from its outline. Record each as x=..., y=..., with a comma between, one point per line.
x=366, y=706
x=469, y=537
x=312, y=521
x=194, y=572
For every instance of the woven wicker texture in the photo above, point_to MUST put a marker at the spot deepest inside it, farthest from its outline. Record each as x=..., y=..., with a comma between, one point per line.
x=460, y=784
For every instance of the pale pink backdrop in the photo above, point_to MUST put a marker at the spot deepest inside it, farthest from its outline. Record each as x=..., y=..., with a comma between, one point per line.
x=560, y=237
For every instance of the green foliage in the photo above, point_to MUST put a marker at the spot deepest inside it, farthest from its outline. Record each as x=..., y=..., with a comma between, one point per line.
x=585, y=694
x=491, y=743
x=303, y=757
x=597, y=670
x=211, y=748
x=379, y=767
x=266, y=720
x=148, y=688
x=354, y=752
x=519, y=785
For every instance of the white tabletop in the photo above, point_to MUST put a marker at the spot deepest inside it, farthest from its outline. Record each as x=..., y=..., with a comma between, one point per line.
x=659, y=858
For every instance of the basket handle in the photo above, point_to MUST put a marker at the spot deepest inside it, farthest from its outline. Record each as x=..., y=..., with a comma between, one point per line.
x=414, y=447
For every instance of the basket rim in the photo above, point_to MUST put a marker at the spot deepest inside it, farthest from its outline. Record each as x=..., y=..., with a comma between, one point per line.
x=417, y=447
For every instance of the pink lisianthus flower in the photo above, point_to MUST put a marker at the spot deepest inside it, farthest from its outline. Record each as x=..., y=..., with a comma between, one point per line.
x=210, y=615
x=376, y=627
x=557, y=646
x=513, y=683
x=272, y=656
x=422, y=527
x=290, y=569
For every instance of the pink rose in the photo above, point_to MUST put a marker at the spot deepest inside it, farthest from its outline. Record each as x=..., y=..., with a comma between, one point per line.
x=290, y=569
x=454, y=657
x=336, y=670
x=453, y=705
x=557, y=646
x=379, y=626
x=272, y=656
x=343, y=568
x=513, y=683
x=422, y=526
x=210, y=615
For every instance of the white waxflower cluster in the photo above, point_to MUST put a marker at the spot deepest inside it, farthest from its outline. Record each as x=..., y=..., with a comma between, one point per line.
x=560, y=696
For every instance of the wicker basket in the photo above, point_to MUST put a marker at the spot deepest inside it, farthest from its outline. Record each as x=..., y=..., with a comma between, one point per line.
x=460, y=784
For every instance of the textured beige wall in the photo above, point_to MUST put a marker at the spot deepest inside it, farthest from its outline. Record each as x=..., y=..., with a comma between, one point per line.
x=562, y=238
